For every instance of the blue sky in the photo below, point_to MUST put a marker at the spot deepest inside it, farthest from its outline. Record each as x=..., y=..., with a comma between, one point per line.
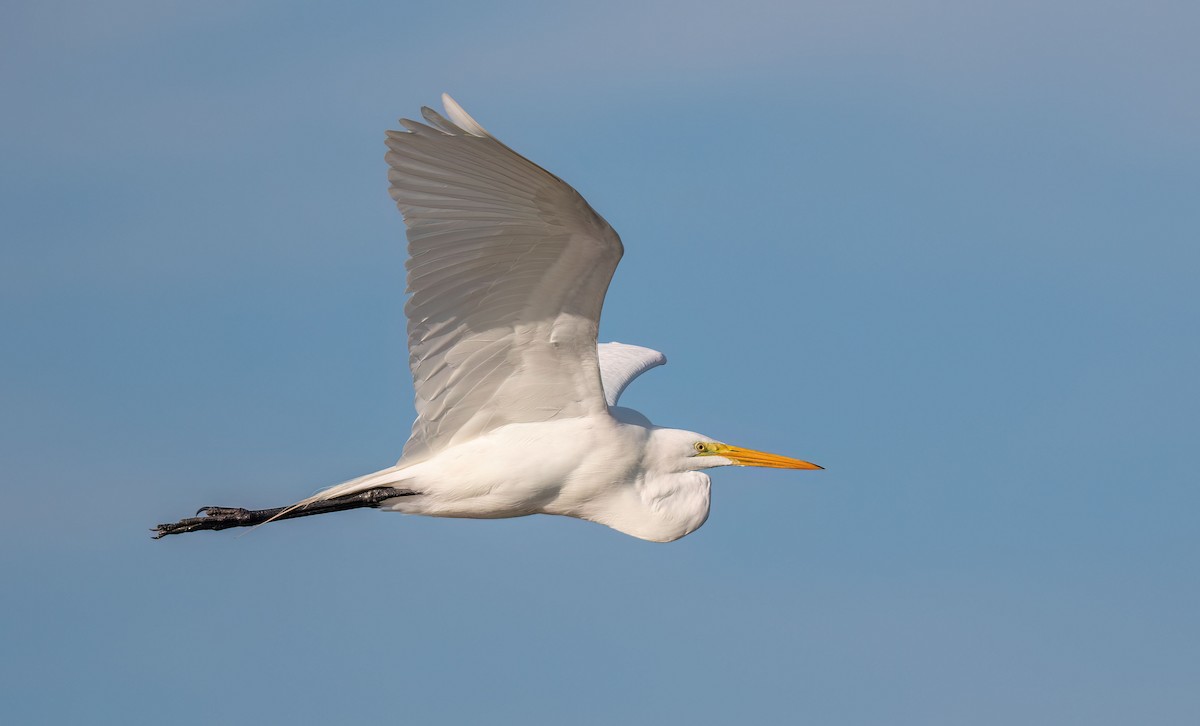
x=947, y=250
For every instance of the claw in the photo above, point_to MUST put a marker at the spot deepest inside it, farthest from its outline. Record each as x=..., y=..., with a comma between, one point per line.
x=221, y=511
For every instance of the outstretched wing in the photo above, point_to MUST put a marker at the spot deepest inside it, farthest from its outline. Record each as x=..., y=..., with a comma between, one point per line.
x=508, y=267
x=621, y=363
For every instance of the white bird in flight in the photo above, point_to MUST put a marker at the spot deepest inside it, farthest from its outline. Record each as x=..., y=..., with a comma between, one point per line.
x=516, y=403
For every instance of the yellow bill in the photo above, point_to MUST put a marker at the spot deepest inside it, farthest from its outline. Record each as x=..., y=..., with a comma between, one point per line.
x=750, y=457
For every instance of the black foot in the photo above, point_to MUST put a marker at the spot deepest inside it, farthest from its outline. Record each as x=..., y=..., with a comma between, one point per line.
x=226, y=517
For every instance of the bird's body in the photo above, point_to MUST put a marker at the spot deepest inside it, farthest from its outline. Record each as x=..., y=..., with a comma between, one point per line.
x=516, y=403
x=592, y=468
x=611, y=468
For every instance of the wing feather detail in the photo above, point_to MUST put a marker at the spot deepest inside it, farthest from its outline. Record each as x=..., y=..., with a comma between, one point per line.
x=508, y=267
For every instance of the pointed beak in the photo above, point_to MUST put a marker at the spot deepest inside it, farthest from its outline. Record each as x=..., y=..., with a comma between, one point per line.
x=750, y=457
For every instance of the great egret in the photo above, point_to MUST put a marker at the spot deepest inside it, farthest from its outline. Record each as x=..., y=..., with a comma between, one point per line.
x=516, y=403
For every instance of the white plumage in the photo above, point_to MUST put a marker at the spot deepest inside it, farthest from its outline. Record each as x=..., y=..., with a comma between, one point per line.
x=507, y=269
x=621, y=363
x=516, y=404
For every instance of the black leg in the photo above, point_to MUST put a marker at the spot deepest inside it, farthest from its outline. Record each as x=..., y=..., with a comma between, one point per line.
x=226, y=517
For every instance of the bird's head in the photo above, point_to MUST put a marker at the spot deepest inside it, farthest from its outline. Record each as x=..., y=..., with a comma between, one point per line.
x=674, y=492
x=696, y=451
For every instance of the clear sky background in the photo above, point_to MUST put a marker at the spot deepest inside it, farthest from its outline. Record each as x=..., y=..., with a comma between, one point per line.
x=947, y=250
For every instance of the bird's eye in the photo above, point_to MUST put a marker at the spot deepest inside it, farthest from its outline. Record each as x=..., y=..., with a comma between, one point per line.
x=699, y=447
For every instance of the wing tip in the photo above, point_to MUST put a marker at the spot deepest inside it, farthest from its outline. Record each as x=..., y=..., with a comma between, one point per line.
x=459, y=123
x=621, y=363
x=650, y=355
x=461, y=118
